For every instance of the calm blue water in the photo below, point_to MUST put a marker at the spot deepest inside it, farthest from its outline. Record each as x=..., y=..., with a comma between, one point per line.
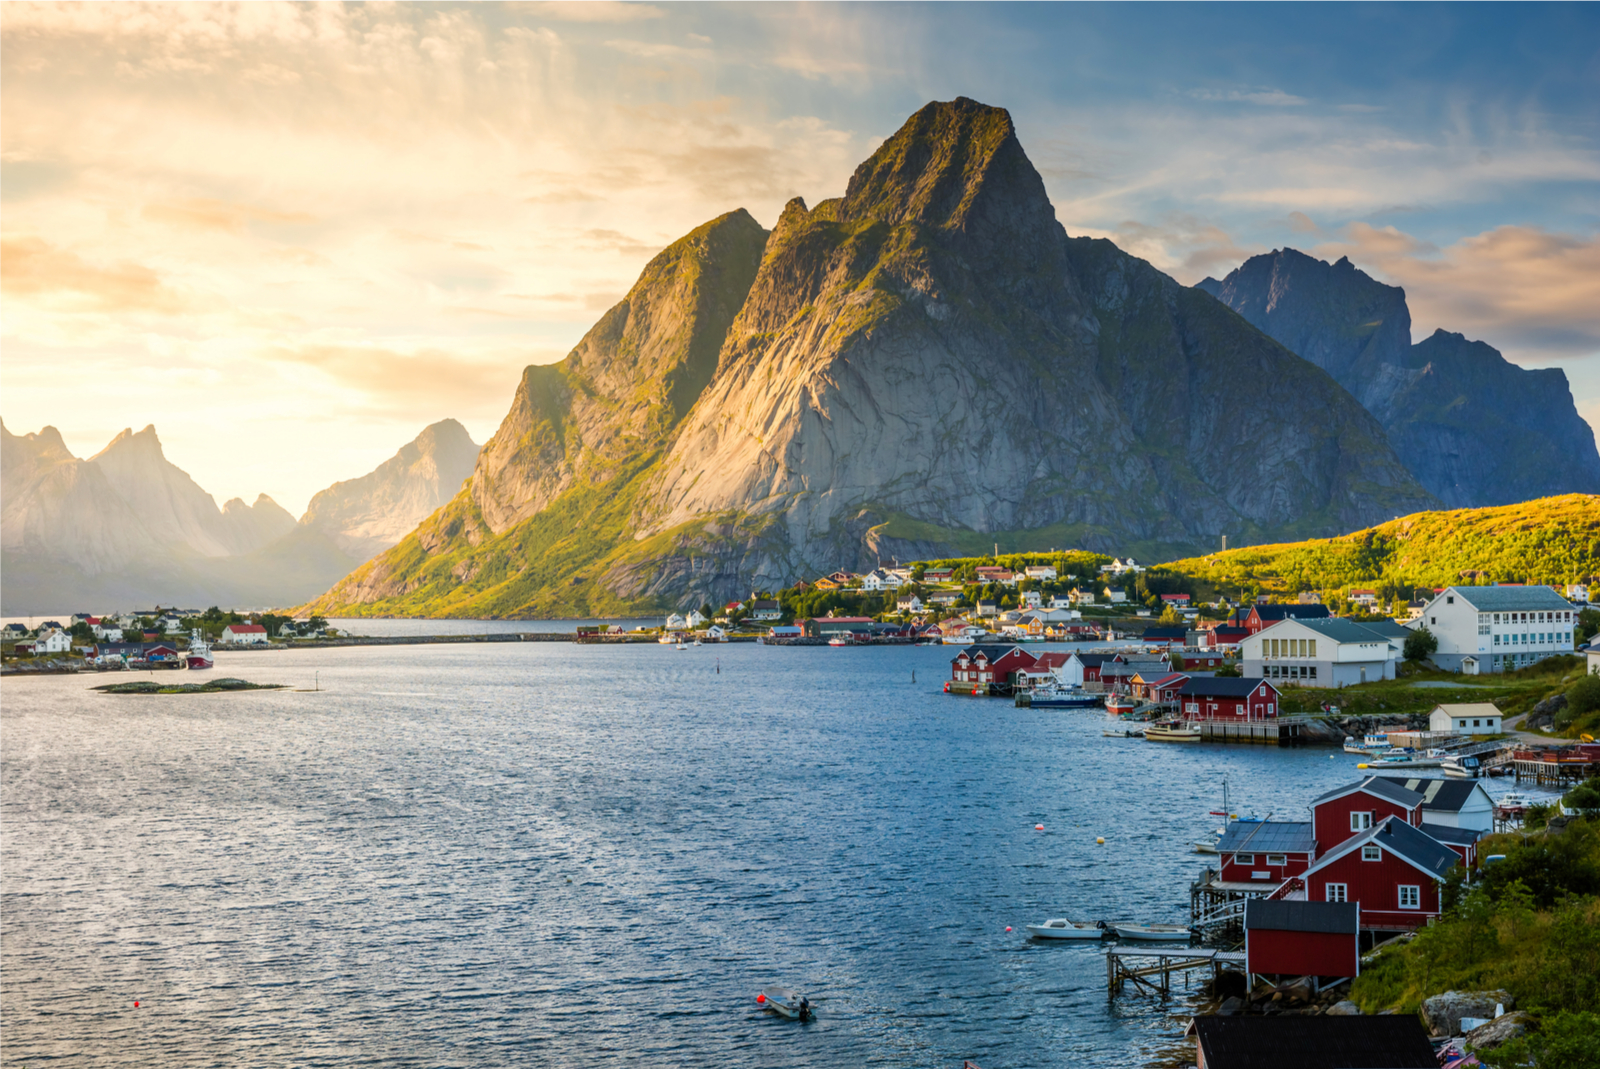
x=563, y=855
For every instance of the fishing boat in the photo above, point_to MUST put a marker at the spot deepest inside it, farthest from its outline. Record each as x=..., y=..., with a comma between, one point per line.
x=1172, y=731
x=199, y=653
x=669, y=638
x=1511, y=804
x=1457, y=767
x=1061, y=928
x=839, y=640
x=785, y=1003
x=1119, y=704
x=1050, y=696
x=1151, y=933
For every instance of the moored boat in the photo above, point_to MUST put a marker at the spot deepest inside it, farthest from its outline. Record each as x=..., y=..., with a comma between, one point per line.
x=1053, y=697
x=1172, y=731
x=785, y=1003
x=1119, y=704
x=1061, y=928
x=1152, y=933
x=198, y=654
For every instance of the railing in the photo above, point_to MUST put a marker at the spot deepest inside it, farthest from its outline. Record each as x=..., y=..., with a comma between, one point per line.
x=1290, y=886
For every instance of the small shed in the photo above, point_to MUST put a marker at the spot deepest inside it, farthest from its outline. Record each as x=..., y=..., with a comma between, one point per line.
x=1475, y=718
x=1287, y=938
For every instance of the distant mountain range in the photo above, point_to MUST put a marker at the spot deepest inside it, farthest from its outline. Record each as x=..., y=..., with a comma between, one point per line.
x=1474, y=428
x=129, y=528
x=922, y=367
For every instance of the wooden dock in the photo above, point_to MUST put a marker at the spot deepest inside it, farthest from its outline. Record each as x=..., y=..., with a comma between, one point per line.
x=1284, y=731
x=1153, y=969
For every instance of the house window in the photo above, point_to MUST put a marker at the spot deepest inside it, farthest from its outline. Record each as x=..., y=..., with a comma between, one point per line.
x=1244, y=859
x=1277, y=859
x=1360, y=821
x=1410, y=896
x=1313, y=654
x=1334, y=892
x=1371, y=853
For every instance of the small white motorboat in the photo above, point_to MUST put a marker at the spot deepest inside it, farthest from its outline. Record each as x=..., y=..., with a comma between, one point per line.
x=1131, y=733
x=1152, y=933
x=1060, y=928
x=785, y=1003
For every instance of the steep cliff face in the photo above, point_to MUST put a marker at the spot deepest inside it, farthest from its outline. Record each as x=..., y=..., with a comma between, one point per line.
x=1474, y=428
x=171, y=505
x=365, y=516
x=925, y=361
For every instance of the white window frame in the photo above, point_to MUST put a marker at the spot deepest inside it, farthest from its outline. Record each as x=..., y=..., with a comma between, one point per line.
x=1244, y=859
x=1277, y=859
x=1413, y=892
x=1336, y=892
x=1369, y=852
x=1360, y=820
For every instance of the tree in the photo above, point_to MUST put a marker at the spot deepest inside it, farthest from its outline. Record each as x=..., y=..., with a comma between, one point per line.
x=1421, y=644
x=1169, y=615
x=1177, y=662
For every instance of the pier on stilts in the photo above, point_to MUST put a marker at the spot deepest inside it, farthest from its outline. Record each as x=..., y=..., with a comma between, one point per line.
x=1153, y=969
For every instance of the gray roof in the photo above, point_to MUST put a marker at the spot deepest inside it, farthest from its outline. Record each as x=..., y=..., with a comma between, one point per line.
x=1509, y=598
x=1420, y=849
x=1348, y=630
x=1267, y=837
x=1444, y=833
x=1439, y=795
x=1332, y=917
x=1378, y=785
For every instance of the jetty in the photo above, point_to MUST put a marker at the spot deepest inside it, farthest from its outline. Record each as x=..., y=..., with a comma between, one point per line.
x=1152, y=970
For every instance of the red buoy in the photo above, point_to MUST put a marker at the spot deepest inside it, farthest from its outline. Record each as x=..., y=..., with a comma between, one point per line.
x=759, y=999
x=135, y=1005
x=1038, y=827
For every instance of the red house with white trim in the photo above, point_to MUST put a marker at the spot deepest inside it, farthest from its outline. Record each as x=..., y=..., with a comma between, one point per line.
x=1321, y=939
x=1228, y=698
x=1391, y=870
x=989, y=664
x=1261, y=617
x=1258, y=855
x=1347, y=811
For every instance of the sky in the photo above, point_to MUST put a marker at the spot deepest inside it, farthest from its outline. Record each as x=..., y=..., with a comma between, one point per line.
x=291, y=236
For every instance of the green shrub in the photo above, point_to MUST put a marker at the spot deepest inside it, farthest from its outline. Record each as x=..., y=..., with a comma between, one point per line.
x=1421, y=644
x=1569, y=1040
x=1583, y=697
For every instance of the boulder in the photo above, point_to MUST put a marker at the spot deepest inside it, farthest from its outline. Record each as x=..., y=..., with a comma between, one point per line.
x=1442, y=1013
x=1231, y=1006
x=1344, y=1009
x=1500, y=1030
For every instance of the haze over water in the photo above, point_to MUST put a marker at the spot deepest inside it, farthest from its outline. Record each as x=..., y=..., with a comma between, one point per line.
x=577, y=855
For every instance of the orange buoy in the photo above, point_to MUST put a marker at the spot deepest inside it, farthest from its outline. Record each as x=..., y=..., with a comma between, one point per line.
x=1038, y=827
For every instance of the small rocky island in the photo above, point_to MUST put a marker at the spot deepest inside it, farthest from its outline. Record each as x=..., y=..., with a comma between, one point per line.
x=215, y=686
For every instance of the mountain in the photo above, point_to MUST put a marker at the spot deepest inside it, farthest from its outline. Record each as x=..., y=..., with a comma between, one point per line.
x=1551, y=540
x=365, y=516
x=128, y=527
x=927, y=362
x=1474, y=428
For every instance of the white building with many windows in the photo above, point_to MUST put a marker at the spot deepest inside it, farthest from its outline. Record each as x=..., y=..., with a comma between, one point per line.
x=1498, y=627
x=1326, y=652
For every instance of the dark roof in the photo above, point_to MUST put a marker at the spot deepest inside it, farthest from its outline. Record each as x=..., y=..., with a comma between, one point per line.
x=1512, y=598
x=1444, y=833
x=1093, y=659
x=1380, y=786
x=991, y=651
x=1395, y=1041
x=1402, y=839
x=1332, y=917
x=1439, y=795
x=1298, y=612
x=1226, y=687
x=1165, y=632
x=1340, y=630
x=1267, y=837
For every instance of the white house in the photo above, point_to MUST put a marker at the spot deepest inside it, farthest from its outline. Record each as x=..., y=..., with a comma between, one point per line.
x=1501, y=627
x=1061, y=601
x=1030, y=599
x=766, y=609
x=908, y=603
x=1083, y=597
x=1578, y=593
x=54, y=640
x=694, y=619
x=1367, y=599
x=676, y=623
x=1043, y=572
x=716, y=634
x=987, y=607
x=1327, y=652
x=944, y=597
x=1454, y=803
x=1592, y=656
x=1476, y=718
x=245, y=634
x=1116, y=595
x=1121, y=566
x=878, y=579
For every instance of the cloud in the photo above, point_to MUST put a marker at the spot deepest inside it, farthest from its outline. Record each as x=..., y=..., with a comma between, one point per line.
x=1274, y=98
x=201, y=213
x=33, y=268
x=1301, y=223
x=587, y=10
x=432, y=378
x=1525, y=290
x=1183, y=245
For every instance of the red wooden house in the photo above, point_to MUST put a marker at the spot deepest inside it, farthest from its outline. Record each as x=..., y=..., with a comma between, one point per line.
x=1198, y=659
x=989, y=664
x=1258, y=855
x=1392, y=870
x=1321, y=939
x=1264, y=616
x=1351, y=810
x=1159, y=689
x=1224, y=635
x=1210, y=698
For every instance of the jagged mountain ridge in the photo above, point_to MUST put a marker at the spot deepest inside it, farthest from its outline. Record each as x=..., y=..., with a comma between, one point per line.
x=1474, y=428
x=128, y=527
x=926, y=360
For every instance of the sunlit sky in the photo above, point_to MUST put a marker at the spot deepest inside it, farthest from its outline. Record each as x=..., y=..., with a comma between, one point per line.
x=292, y=236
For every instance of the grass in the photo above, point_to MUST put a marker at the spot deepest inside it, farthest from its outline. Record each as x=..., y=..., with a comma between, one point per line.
x=1514, y=692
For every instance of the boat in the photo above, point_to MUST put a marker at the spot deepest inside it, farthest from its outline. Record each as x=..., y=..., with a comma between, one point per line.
x=1209, y=846
x=785, y=1003
x=1050, y=696
x=1061, y=928
x=1151, y=933
x=1172, y=731
x=838, y=640
x=1126, y=733
x=1511, y=803
x=697, y=642
x=1119, y=704
x=681, y=646
x=669, y=638
x=199, y=653
x=1460, y=767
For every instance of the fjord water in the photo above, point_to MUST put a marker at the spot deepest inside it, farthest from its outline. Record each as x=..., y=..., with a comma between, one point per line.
x=577, y=855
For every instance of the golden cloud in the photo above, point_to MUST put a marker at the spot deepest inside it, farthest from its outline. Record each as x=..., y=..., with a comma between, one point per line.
x=32, y=267
x=587, y=10
x=430, y=378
